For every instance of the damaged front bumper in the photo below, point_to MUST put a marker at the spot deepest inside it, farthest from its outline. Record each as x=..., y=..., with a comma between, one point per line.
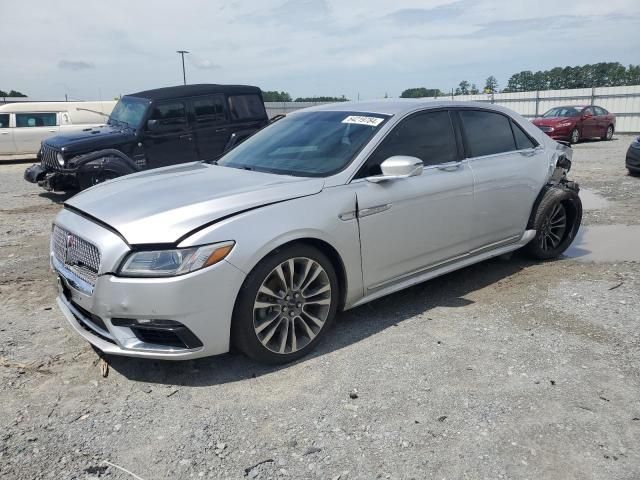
x=49, y=179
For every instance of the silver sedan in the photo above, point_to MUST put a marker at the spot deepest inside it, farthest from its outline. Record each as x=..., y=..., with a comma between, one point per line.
x=322, y=211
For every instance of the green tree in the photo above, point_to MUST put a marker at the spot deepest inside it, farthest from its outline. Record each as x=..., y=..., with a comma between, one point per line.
x=275, y=96
x=474, y=90
x=491, y=85
x=14, y=93
x=3, y=93
x=420, y=92
x=322, y=99
x=463, y=88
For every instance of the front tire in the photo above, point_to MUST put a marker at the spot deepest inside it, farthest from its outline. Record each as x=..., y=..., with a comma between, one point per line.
x=556, y=220
x=574, y=136
x=286, y=305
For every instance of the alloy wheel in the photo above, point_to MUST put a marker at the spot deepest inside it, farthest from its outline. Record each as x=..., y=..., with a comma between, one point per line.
x=292, y=305
x=609, y=132
x=575, y=136
x=553, y=227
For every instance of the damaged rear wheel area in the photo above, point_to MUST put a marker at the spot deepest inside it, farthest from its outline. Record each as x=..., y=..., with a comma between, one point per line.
x=556, y=219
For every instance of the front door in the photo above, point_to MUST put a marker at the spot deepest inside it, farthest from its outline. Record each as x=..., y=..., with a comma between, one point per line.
x=410, y=224
x=7, y=146
x=170, y=140
x=31, y=129
x=211, y=126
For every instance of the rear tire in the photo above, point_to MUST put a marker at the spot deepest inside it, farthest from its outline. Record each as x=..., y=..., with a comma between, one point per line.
x=286, y=305
x=608, y=135
x=556, y=220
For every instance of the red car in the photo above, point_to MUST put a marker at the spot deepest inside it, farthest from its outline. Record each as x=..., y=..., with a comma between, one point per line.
x=575, y=123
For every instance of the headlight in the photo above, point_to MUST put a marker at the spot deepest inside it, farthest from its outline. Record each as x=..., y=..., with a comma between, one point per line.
x=60, y=159
x=169, y=263
x=564, y=124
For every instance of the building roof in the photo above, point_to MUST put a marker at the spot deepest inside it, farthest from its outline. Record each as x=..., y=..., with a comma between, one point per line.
x=167, y=93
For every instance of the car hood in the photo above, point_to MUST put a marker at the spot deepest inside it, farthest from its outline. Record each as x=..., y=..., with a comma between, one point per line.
x=551, y=121
x=92, y=138
x=164, y=205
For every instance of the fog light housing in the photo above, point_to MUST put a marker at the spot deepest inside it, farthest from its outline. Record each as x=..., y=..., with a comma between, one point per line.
x=165, y=333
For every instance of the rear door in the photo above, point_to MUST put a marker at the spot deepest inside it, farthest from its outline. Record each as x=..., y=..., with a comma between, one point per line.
x=411, y=224
x=589, y=123
x=602, y=121
x=247, y=114
x=7, y=145
x=210, y=125
x=32, y=128
x=508, y=171
x=171, y=141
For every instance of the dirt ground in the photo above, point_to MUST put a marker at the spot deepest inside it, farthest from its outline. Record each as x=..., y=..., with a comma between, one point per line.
x=505, y=370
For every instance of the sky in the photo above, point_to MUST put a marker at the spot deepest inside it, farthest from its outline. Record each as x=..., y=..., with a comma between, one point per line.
x=92, y=50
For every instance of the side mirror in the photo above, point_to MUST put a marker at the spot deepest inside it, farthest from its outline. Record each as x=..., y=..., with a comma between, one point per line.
x=152, y=125
x=587, y=115
x=398, y=166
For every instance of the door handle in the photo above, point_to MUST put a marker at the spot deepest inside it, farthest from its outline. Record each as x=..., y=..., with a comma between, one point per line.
x=4, y=133
x=221, y=130
x=188, y=137
x=52, y=131
x=449, y=166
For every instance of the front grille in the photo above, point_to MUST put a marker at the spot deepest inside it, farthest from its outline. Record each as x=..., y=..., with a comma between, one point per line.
x=76, y=254
x=48, y=157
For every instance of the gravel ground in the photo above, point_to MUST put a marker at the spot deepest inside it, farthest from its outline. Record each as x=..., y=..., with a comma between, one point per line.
x=505, y=370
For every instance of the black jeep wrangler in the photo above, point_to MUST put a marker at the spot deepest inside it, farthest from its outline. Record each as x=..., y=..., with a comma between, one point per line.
x=151, y=129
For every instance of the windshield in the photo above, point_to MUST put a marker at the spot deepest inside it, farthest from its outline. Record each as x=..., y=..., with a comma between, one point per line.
x=308, y=144
x=562, y=112
x=129, y=111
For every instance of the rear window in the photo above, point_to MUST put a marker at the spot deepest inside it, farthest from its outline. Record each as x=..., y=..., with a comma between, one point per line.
x=243, y=107
x=522, y=139
x=487, y=133
x=209, y=109
x=4, y=120
x=27, y=120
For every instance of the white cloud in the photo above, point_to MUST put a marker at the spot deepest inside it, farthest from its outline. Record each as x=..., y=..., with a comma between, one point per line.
x=307, y=47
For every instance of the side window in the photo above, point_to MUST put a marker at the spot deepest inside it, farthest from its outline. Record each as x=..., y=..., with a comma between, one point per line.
x=589, y=111
x=209, y=109
x=244, y=107
x=35, y=120
x=600, y=111
x=522, y=139
x=487, y=133
x=170, y=115
x=4, y=120
x=428, y=136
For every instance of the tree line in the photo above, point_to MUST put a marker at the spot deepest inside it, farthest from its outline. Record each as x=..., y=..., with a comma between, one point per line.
x=275, y=96
x=12, y=93
x=604, y=74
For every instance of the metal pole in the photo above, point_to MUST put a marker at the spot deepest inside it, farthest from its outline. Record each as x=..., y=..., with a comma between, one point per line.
x=184, y=75
x=537, y=102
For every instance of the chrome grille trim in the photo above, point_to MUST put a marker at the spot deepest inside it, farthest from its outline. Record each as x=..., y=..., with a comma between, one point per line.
x=76, y=255
x=48, y=157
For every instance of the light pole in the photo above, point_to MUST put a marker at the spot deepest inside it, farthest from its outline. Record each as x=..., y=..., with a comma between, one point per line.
x=184, y=75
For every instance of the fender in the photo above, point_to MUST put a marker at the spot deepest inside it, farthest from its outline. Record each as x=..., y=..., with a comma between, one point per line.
x=109, y=163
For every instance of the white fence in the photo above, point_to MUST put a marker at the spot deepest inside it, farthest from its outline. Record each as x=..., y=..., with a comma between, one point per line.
x=623, y=101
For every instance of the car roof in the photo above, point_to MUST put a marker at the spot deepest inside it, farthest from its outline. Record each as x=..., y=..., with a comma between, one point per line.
x=398, y=106
x=167, y=93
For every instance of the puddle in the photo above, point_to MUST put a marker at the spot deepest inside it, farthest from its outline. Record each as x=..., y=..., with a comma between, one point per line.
x=606, y=243
x=592, y=200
